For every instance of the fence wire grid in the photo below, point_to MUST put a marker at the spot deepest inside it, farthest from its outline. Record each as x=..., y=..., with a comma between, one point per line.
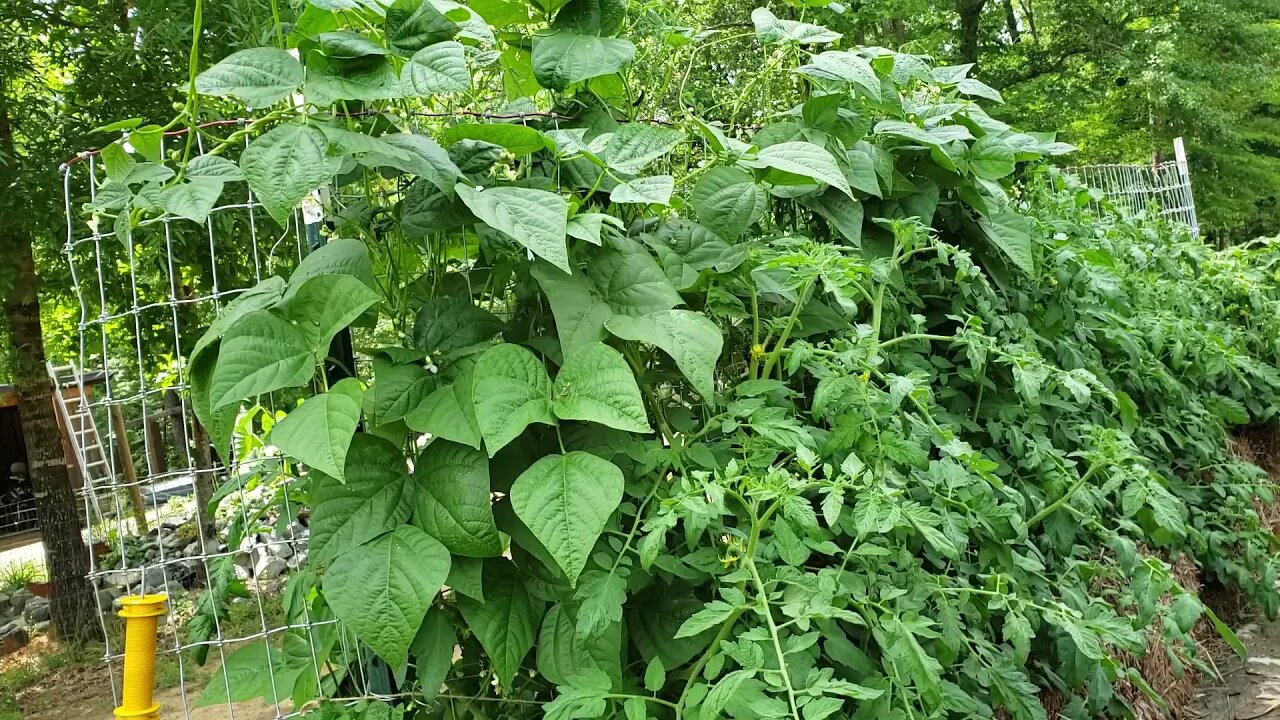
x=145, y=297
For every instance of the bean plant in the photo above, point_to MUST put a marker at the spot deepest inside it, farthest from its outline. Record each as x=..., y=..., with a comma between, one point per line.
x=844, y=404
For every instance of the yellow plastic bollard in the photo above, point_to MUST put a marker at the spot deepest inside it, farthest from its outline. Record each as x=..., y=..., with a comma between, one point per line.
x=141, y=615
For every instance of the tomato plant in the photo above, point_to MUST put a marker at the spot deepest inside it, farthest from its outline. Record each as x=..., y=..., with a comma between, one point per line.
x=843, y=406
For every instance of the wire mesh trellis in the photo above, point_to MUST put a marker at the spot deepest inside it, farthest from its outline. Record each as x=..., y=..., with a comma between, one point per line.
x=146, y=295
x=1136, y=189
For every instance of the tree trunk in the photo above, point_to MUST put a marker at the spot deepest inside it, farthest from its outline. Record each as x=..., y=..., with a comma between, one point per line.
x=1011, y=21
x=57, y=509
x=72, y=612
x=1029, y=13
x=970, y=12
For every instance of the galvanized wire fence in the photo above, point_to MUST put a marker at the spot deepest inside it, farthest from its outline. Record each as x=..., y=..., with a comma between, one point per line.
x=146, y=296
x=1163, y=188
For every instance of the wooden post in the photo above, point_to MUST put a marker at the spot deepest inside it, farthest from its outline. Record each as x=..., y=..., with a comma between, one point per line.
x=127, y=469
x=155, y=445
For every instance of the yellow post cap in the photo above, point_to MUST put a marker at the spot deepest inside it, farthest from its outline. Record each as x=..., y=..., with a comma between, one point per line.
x=140, y=606
x=151, y=713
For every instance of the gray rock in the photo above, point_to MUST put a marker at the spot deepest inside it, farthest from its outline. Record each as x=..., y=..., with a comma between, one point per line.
x=36, y=611
x=269, y=568
x=4, y=600
x=18, y=600
x=9, y=627
x=154, y=578
x=172, y=542
x=13, y=639
x=191, y=550
x=150, y=554
x=243, y=573
x=174, y=590
x=124, y=578
x=106, y=600
x=284, y=551
x=40, y=627
x=298, y=559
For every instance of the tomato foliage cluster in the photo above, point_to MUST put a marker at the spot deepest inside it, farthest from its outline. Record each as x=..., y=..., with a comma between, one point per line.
x=858, y=411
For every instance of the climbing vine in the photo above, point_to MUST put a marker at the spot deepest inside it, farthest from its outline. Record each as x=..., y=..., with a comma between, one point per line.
x=842, y=405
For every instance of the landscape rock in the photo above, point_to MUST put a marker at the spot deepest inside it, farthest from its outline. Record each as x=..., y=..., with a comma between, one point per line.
x=269, y=568
x=36, y=611
x=12, y=640
x=18, y=600
x=154, y=577
x=284, y=550
x=106, y=600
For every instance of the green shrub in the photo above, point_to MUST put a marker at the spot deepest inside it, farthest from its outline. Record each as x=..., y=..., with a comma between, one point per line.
x=862, y=413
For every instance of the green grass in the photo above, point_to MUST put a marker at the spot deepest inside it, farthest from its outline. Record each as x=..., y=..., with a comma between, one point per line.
x=16, y=575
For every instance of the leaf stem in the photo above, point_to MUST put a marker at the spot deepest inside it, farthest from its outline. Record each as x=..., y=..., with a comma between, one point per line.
x=786, y=329
x=1057, y=504
x=767, y=609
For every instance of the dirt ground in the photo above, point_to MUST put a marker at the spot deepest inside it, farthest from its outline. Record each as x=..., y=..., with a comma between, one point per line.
x=1247, y=690
x=81, y=690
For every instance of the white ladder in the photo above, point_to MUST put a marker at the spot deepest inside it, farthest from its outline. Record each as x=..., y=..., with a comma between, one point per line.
x=91, y=456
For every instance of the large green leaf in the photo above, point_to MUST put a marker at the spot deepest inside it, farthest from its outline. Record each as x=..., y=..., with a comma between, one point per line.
x=511, y=390
x=507, y=621
x=843, y=66
x=590, y=226
x=773, y=30
x=397, y=390
x=450, y=322
x=432, y=652
x=592, y=17
x=655, y=190
x=285, y=164
x=579, y=312
x=258, y=76
x=562, y=58
x=446, y=413
x=597, y=385
x=1011, y=233
x=422, y=157
x=324, y=305
x=728, y=201
x=991, y=158
x=565, y=500
x=435, y=69
x=844, y=213
x=519, y=139
x=383, y=589
x=192, y=199
x=330, y=80
x=415, y=24
x=690, y=338
x=687, y=248
x=933, y=137
x=452, y=502
x=534, y=218
x=340, y=256
x=804, y=159
x=376, y=497
x=213, y=167
x=319, y=431
x=628, y=278
x=261, y=352
x=563, y=652
x=635, y=145
x=347, y=44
